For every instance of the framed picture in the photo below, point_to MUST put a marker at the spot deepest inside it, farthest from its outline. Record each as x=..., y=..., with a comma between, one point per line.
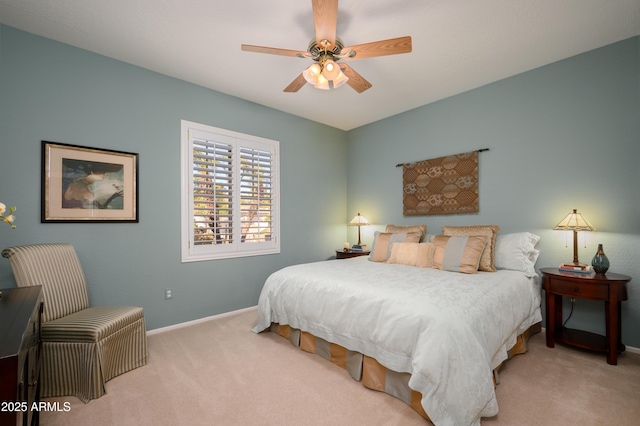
x=82, y=184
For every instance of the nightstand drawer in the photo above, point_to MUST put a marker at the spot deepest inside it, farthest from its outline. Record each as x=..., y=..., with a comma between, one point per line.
x=570, y=289
x=341, y=254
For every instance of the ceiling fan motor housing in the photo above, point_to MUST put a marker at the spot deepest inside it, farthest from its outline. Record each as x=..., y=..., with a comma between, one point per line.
x=317, y=51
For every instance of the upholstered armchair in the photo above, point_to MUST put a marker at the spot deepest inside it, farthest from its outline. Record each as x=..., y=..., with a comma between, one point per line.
x=82, y=347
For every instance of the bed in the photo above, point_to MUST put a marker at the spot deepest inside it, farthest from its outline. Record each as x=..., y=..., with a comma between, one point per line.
x=436, y=335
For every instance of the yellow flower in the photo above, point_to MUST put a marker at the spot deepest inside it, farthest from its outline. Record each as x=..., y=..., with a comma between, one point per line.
x=8, y=218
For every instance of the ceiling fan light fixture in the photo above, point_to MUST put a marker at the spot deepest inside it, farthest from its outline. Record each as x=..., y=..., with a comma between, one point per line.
x=312, y=73
x=325, y=48
x=322, y=84
x=339, y=80
x=331, y=70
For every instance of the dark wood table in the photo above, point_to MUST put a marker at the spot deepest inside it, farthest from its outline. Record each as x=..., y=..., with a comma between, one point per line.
x=20, y=355
x=342, y=254
x=610, y=288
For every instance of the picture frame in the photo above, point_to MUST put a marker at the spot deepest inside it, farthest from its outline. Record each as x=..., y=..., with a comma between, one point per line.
x=88, y=185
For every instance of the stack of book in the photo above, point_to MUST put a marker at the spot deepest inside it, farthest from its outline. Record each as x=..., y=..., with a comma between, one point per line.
x=572, y=267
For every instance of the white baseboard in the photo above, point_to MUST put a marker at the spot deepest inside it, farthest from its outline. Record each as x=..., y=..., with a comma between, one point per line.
x=198, y=321
x=633, y=350
x=628, y=348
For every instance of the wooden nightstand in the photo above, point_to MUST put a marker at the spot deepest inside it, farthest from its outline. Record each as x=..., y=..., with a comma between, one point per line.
x=341, y=254
x=610, y=288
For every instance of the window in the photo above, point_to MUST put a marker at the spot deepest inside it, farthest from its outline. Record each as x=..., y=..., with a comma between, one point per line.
x=230, y=189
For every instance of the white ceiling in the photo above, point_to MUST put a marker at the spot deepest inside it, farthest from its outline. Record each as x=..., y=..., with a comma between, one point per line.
x=458, y=45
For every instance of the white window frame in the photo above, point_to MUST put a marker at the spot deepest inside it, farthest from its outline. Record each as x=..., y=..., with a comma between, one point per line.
x=192, y=252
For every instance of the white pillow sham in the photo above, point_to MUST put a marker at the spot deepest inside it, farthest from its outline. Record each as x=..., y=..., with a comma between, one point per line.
x=516, y=251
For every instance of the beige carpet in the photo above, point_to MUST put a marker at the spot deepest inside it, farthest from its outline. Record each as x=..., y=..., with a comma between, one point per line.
x=220, y=373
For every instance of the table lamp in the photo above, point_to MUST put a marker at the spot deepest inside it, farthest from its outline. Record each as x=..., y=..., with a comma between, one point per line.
x=359, y=221
x=574, y=222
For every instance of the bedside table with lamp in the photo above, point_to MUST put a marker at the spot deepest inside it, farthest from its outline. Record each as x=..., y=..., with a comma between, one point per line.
x=358, y=249
x=578, y=281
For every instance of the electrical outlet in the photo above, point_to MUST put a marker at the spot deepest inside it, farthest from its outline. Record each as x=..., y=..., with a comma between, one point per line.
x=168, y=294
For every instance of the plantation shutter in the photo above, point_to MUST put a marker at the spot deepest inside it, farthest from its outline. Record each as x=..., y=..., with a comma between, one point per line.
x=256, y=208
x=212, y=192
x=231, y=204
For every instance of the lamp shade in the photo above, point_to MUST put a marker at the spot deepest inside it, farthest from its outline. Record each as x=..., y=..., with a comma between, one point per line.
x=330, y=70
x=359, y=221
x=574, y=222
x=339, y=80
x=311, y=74
x=322, y=83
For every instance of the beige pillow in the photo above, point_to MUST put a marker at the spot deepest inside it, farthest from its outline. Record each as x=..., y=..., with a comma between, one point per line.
x=487, y=261
x=422, y=229
x=458, y=254
x=413, y=254
x=383, y=241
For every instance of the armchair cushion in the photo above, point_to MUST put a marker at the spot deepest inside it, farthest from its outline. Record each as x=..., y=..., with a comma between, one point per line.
x=90, y=325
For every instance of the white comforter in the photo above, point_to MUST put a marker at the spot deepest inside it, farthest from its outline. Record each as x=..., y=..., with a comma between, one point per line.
x=449, y=330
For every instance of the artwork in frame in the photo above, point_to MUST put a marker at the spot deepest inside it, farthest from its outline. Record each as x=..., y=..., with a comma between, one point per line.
x=82, y=184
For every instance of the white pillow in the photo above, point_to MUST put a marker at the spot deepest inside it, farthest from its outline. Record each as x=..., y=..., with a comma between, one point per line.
x=517, y=252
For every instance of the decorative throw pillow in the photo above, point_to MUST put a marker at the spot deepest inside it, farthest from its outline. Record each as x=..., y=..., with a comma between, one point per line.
x=517, y=252
x=413, y=254
x=487, y=261
x=382, y=242
x=458, y=254
x=422, y=229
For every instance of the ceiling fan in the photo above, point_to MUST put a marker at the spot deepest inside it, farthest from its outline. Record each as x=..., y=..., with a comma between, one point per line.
x=327, y=49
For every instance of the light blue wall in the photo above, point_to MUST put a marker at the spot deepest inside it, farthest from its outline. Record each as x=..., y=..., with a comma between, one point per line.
x=562, y=136
x=50, y=91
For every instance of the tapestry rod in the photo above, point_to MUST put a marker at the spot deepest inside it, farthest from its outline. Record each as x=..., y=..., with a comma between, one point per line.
x=478, y=150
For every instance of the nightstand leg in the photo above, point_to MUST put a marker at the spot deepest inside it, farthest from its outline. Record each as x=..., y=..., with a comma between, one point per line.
x=558, y=303
x=550, y=308
x=613, y=325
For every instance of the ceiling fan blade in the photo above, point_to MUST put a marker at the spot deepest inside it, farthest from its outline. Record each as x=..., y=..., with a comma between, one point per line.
x=356, y=81
x=296, y=84
x=392, y=46
x=274, y=51
x=325, y=18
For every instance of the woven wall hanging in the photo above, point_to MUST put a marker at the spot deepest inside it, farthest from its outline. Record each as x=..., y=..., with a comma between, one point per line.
x=444, y=185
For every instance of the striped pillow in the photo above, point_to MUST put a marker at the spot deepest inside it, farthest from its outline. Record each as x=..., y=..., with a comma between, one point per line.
x=458, y=254
x=382, y=242
x=487, y=261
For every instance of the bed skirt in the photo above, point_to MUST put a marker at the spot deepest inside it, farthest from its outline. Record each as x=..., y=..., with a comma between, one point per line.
x=370, y=372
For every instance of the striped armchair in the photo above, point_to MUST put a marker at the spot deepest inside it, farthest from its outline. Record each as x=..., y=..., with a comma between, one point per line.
x=82, y=347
